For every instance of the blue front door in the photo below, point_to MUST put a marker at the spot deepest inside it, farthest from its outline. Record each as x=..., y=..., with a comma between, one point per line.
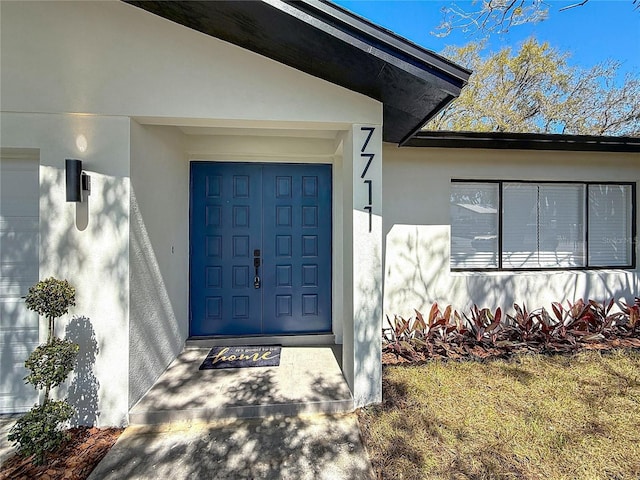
x=260, y=249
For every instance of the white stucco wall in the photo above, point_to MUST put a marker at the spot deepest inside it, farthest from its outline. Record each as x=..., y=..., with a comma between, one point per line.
x=111, y=58
x=362, y=243
x=86, y=244
x=417, y=229
x=159, y=253
x=107, y=70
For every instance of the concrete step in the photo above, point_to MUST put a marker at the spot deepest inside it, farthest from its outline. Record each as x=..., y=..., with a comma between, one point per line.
x=308, y=380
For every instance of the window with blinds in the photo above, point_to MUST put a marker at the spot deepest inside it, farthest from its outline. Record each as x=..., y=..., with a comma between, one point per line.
x=474, y=225
x=610, y=225
x=541, y=225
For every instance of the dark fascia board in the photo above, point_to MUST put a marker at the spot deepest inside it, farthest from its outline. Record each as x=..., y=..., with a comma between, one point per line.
x=331, y=43
x=382, y=36
x=524, y=141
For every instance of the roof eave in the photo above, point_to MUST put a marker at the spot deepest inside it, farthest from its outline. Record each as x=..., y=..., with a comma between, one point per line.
x=331, y=43
x=524, y=141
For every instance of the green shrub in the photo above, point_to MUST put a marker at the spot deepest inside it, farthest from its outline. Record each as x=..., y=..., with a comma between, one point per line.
x=51, y=298
x=51, y=363
x=38, y=431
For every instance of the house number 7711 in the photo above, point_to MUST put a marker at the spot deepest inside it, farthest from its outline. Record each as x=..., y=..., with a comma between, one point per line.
x=368, y=159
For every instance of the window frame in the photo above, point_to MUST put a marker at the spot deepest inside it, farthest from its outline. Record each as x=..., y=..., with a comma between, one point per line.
x=586, y=184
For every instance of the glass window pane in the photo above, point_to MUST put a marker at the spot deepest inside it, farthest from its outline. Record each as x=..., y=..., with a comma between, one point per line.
x=519, y=225
x=543, y=225
x=474, y=225
x=610, y=225
x=561, y=226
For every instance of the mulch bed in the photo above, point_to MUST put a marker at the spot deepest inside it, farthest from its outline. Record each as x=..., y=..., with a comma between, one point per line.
x=74, y=461
x=482, y=353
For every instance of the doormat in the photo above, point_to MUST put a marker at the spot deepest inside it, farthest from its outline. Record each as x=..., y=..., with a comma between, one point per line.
x=240, y=357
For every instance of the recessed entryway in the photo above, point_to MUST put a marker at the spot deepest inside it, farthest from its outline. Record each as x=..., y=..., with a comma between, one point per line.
x=260, y=260
x=308, y=380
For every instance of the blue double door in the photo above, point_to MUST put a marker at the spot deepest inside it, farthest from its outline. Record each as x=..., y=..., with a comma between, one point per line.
x=260, y=249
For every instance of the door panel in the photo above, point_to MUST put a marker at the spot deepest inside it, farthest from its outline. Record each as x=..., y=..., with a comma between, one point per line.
x=284, y=211
x=297, y=240
x=225, y=228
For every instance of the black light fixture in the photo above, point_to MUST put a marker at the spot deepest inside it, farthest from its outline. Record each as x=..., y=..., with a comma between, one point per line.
x=77, y=181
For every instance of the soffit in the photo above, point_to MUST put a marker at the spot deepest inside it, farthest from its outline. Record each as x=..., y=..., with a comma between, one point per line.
x=260, y=132
x=328, y=42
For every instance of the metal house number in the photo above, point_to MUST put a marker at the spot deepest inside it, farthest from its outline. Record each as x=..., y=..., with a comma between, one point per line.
x=368, y=157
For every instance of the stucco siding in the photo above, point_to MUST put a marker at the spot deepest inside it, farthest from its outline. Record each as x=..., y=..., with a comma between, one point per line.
x=159, y=259
x=87, y=244
x=362, y=271
x=416, y=192
x=111, y=58
x=136, y=97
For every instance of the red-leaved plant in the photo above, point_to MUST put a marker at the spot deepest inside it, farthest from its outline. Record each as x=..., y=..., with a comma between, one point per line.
x=447, y=333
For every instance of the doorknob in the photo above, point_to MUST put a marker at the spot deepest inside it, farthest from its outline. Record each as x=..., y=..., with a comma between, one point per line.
x=256, y=264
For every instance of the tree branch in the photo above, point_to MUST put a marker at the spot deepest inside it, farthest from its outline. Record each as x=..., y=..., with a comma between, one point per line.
x=580, y=4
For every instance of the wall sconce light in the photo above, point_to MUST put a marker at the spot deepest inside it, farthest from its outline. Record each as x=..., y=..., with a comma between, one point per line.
x=77, y=181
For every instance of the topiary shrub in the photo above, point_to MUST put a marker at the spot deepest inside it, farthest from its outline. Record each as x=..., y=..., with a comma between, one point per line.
x=39, y=430
x=51, y=364
x=51, y=298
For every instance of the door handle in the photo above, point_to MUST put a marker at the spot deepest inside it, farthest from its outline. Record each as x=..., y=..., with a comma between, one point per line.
x=256, y=264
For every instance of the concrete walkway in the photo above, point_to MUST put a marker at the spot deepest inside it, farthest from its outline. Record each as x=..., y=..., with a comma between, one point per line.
x=308, y=380
x=190, y=441
x=304, y=447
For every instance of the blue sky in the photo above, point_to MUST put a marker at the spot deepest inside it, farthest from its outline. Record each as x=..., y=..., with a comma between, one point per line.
x=593, y=33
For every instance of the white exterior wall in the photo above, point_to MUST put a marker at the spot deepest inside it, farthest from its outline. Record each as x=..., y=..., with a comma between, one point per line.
x=159, y=253
x=87, y=244
x=362, y=178
x=108, y=70
x=417, y=229
x=110, y=58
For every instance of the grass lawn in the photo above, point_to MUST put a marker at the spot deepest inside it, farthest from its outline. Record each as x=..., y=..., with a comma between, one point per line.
x=535, y=417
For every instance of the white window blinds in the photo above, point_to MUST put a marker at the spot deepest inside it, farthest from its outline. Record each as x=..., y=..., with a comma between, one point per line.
x=474, y=225
x=518, y=225
x=610, y=225
x=543, y=225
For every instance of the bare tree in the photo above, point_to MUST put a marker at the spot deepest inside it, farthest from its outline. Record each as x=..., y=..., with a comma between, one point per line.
x=498, y=16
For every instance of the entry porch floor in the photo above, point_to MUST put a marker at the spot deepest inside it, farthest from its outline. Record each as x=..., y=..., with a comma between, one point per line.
x=308, y=380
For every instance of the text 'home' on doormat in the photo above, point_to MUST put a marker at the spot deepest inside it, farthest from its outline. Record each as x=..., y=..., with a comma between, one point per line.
x=239, y=357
